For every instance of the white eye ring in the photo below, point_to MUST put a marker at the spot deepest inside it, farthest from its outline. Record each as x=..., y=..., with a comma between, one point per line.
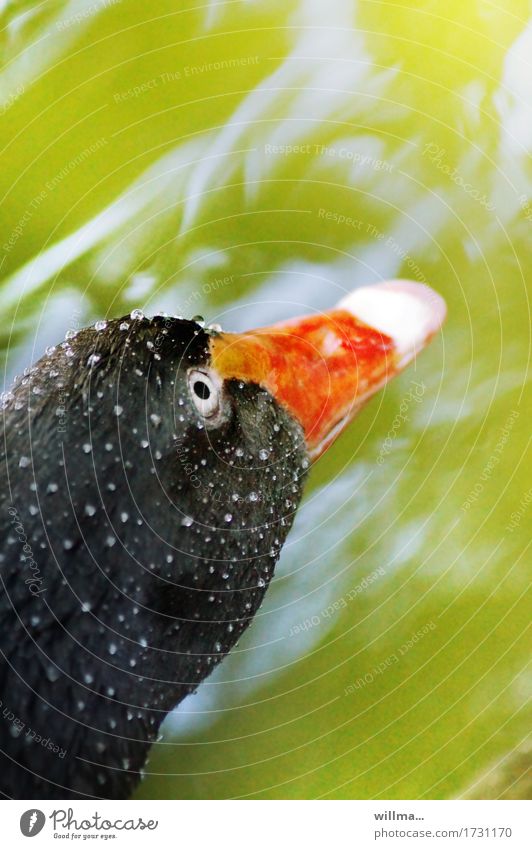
x=205, y=389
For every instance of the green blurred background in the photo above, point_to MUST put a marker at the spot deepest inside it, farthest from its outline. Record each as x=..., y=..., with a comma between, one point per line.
x=249, y=161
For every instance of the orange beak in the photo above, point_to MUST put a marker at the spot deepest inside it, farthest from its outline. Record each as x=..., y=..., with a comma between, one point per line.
x=324, y=367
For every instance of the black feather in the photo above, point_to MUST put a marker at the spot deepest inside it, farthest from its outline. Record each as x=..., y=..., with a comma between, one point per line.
x=123, y=580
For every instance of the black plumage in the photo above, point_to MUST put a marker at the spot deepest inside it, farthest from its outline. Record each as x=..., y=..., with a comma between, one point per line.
x=137, y=544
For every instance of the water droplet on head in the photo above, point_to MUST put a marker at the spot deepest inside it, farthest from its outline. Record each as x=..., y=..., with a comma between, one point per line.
x=52, y=673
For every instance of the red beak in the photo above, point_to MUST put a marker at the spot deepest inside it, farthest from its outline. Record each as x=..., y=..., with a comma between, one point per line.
x=323, y=368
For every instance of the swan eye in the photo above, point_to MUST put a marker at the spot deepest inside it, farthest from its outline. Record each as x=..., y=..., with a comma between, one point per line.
x=206, y=392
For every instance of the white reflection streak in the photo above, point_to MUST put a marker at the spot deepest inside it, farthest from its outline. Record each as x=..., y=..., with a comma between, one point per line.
x=321, y=88
x=47, y=44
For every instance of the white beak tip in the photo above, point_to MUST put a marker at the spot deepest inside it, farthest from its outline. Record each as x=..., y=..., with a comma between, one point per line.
x=409, y=313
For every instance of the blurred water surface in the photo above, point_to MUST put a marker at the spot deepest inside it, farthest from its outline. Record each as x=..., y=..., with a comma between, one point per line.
x=249, y=161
